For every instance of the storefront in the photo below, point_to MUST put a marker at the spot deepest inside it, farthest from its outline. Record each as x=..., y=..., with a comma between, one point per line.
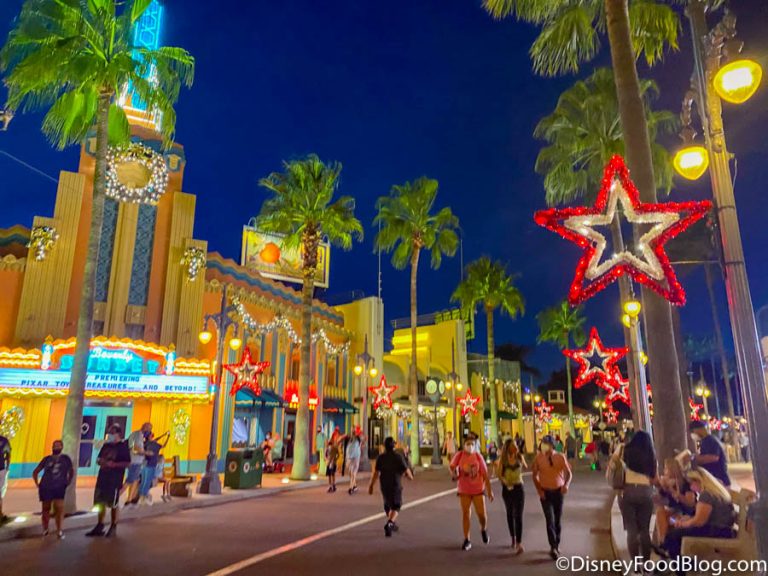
x=128, y=383
x=254, y=416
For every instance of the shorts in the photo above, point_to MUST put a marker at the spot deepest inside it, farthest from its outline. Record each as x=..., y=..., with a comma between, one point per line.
x=134, y=473
x=330, y=469
x=107, y=496
x=393, y=501
x=353, y=465
x=3, y=483
x=49, y=493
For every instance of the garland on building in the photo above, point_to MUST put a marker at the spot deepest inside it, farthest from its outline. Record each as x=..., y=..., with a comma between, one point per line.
x=42, y=240
x=151, y=161
x=646, y=262
x=181, y=422
x=11, y=421
x=193, y=261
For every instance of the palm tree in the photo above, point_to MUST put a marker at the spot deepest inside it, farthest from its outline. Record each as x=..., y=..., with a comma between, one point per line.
x=569, y=36
x=488, y=283
x=407, y=227
x=559, y=324
x=73, y=58
x=582, y=134
x=303, y=210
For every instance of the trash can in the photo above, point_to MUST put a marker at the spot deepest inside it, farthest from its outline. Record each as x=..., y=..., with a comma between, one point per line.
x=243, y=468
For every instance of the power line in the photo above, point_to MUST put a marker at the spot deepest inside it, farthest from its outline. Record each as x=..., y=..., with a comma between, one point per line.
x=26, y=165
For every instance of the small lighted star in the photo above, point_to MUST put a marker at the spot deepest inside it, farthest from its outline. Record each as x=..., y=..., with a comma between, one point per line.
x=382, y=393
x=246, y=373
x=597, y=363
x=468, y=403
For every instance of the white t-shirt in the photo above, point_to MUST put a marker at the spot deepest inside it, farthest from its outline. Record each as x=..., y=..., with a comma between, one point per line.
x=136, y=442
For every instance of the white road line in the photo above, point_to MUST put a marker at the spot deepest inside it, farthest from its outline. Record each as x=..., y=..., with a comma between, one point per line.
x=237, y=566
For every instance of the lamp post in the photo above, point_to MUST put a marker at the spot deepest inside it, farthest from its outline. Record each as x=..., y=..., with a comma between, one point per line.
x=704, y=393
x=641, y=415
x=533, y=399
x=210, y=483
x=600, y=405
x=735, y=82
x=363, y=361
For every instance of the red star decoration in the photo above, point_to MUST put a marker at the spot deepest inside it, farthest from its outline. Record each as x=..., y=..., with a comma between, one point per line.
x=611, y=414
x=383, y=393
x=604, y=372
x=695, y=409
x=246, y=373
x=619, y=390
x=544, y=411
x=469, y=403
x=648, y=263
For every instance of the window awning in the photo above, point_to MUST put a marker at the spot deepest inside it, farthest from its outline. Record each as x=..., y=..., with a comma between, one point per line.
x=503, y=415
x=266, y=399
x=338, y=405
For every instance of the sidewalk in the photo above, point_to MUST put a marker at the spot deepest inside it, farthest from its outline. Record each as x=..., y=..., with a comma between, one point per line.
x=21, y=502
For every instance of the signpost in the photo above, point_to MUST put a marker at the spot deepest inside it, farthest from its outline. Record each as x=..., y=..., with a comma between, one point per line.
x=435, y=391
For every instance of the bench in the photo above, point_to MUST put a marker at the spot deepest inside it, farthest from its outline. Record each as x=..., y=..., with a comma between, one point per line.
x=743, y=547
x=179, y=483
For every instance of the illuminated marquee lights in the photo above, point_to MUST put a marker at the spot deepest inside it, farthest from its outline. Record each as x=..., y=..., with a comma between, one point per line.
x=648, y=264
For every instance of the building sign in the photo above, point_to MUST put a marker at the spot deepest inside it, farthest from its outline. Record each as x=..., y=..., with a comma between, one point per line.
x=121, y=361
x=125, y=384
x=266, y=254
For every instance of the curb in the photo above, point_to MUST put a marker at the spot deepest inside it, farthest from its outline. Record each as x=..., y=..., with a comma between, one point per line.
x=30, y=527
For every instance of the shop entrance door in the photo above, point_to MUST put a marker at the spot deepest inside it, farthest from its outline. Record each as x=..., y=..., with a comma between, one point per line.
x=96, y=421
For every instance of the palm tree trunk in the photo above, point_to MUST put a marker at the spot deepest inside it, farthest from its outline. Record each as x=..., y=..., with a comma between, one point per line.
x=73, y=416
x=715, y=393
x=301, y=470
x=669, y=424
x=492, y=378
x=413, y=373
x=719, y=339
x=570, y=385
x=682, y=364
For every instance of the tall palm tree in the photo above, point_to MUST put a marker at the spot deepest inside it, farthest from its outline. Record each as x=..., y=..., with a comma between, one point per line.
x=569, y=36
x=560, y=324
x=582, y=134
x=488, y=283
x=409, y=226
x=304, y=211
x=73, y=58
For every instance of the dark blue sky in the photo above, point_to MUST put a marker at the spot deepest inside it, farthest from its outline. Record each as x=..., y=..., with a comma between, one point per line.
x=395, y=90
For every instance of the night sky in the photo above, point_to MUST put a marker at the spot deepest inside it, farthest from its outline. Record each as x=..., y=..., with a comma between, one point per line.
x=396, y=90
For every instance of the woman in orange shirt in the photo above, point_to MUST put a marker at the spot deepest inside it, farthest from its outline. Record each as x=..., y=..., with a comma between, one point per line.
x=552, y=477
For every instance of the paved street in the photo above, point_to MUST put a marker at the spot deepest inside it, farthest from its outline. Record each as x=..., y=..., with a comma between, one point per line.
x=309, y=532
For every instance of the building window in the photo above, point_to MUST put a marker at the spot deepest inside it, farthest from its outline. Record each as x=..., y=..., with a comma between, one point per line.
x=556, y=396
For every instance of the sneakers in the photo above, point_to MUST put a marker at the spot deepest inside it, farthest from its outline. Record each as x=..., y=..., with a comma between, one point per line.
x=45, y=533
x=554, y=553
x=388, y=529
x=112, y=532
x=60, y=535
x=98, y=530
x=484, y=536
x=519, y=550
x=466, y=546
x=395, y=527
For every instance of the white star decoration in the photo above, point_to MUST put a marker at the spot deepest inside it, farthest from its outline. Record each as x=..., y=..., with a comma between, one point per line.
x=646, y=260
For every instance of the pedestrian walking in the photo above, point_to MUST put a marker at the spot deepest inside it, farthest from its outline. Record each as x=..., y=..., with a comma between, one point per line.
x=711, y=454
x=57, y=474
x=449, y=446
x=5, y=465
x=136, y=442
x=320, y=450
x=552, y=477
x=510, y=471
x=493, y=457
x=638, y=460
x=353, y=462
x=744, y=446
x=114, y=457
x=333, y=457
x=571, y=448
x=152, y=448
x=470, y=471
x=389, y=470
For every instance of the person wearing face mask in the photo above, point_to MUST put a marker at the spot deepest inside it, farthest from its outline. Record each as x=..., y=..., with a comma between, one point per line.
x=552, y=477
x=711, y=455
x=114, y=457
x=57, y=474
x=136, y=442
x=469, y=469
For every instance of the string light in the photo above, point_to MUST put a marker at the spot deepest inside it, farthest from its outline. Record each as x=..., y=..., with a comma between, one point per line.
x=42, y=239
x=151, y=161
x=194, y=261
x=648, y=264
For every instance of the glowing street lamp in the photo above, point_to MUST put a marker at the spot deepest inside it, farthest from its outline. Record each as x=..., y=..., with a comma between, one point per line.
x=235, y=343
x=691, y=162
x=204, y=337
x=632, y=308
x=373, y=372
x=737, y=81
x=358, y=370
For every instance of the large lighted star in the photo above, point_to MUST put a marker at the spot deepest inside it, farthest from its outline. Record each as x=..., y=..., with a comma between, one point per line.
x=647, y=262
x=619, y=390
x=468, y=403
x=382, y=393
x=596, y=362
x=246, y=373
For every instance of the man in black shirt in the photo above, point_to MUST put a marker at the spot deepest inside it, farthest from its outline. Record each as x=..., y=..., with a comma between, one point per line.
x=711, y=455
x=114, y=458
x=390, y=468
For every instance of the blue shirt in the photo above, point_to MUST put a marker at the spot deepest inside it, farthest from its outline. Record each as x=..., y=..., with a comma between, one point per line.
x=353, y=450
x=718, y=469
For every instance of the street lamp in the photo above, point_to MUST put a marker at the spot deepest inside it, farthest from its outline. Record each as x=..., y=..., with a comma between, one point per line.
x=365, y=364
x=600, y=405
x=210, y=483
x=704, y=393
x=533, y=399
x=641, y=415
x=734, y=82
x=691, y=162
